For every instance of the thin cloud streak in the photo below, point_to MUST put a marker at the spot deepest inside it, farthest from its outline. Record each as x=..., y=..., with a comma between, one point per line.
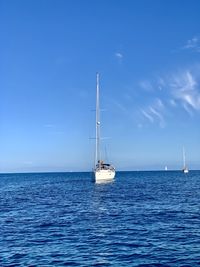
x=185, y=89
x=149, y=117
x=146, y=85
x=120, y=106
x=172, y=102
x=192, y=44
x=119, y=55
x=180, y=91
x=161, y=83
x=187, y=109
x=159, y=116
x=154, y=112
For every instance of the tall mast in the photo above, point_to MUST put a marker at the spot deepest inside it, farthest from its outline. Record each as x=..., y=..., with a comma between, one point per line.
x=184, y=157
x=97, y=151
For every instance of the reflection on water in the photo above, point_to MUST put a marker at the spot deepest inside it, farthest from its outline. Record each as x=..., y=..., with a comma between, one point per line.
x=108, y=181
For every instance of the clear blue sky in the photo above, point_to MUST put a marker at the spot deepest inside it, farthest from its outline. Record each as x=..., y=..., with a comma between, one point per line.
x=148, y=57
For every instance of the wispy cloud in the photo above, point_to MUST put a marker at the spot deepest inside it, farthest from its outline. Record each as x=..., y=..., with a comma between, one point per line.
x=159, y=116
x=163, y=96
x=172, y=102
x=161, y=83
x=193, y=44
x=120, y=106
x=185, y=89
x=180, y=89
x=154, y=112
x=119, y=55
x=146, y=85
x=147, y=115
x=187, y=109
x=159, y=103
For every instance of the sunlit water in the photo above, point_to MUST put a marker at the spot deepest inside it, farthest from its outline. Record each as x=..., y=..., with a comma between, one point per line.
x=64, y=219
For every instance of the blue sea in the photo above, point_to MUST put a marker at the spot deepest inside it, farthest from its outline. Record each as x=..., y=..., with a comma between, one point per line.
x=64, y=219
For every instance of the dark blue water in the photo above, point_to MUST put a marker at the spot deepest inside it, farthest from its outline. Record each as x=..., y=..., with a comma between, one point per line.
x=63, y=219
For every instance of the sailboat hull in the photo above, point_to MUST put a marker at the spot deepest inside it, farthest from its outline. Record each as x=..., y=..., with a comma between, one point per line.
x=185, y=170
x=104, y=175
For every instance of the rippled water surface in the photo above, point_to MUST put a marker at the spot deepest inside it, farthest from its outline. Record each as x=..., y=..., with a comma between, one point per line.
x=64, y=219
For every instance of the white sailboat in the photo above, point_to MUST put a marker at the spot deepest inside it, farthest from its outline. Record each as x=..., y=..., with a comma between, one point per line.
x=102, y=171
x=185, y=169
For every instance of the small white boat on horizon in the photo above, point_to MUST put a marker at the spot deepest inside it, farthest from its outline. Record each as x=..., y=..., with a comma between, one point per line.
x=102, y=171
x=185, y=168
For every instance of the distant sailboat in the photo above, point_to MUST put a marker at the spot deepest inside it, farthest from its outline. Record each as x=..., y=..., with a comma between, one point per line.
x=166, y=168
x=102, y=171
x=185, y=169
